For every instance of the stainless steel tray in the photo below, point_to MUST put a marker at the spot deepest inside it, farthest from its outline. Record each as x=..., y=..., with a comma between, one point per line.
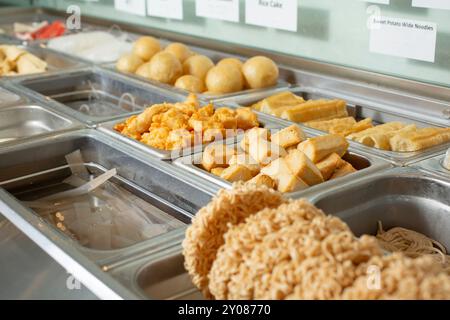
x=364, y=162
x=56, y=62
x=8, y=98
x=21, y=122
x=108, y=127
x=93, y=95
x=400, y=197
x=215, y=56
x=160, y=276
x=434, y=165
x=8, y=17
x=29, y=168
x=360, y=109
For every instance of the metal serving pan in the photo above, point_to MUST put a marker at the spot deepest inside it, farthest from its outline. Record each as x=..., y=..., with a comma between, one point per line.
x=215, y=56
x=9, y=17
x=160, y=276
x=365, y=164
x=22, y=122
x=360, y=109
x=93, y=95
x=108, y=127
x=39, y=167
x=400, y=197
x=8, y=98
x=397, y=197
x=434, y=165
x=56, y=61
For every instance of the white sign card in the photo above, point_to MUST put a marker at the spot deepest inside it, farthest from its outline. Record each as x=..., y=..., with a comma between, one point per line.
x=377, y=1
x=278, y=14
x=403, y=38
x=227, y=10
x=433, y=4
x=136, y=7
x=172, y=9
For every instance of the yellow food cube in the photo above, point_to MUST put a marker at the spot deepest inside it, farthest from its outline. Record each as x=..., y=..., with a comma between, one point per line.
x=289, y=136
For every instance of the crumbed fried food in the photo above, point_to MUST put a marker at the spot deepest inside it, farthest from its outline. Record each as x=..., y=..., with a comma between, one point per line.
x=205, y=235
x=179, y=125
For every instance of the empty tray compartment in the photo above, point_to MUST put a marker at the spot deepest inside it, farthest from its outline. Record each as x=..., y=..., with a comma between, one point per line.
x=93, y=96
x=40, y=169
x=434, y=165
x=361, y=110
x=402, y=197
x=28, y=121
x=8, y=98
x=167, y=279
x=161, y=276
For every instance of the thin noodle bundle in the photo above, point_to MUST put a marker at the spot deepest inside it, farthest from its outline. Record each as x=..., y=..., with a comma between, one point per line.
x=413, y=244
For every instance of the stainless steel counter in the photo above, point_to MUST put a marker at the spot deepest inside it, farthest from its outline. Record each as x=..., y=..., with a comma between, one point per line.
x=28, y=272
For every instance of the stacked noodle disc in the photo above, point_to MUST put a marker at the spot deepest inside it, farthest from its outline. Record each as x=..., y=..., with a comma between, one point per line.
x=292, y=250
x=205, y=236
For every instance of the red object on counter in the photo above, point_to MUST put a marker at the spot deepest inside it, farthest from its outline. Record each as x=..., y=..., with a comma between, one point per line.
x=56, y=29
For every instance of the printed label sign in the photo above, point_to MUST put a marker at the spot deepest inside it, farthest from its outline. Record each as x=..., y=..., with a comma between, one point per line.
x=136, y=7
x=278, y=14
x=403, y=38
x=227, y=10
x=433, y=4
x=172, y=9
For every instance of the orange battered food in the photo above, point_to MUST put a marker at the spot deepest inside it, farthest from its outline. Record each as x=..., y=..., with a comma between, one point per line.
x=171, y=126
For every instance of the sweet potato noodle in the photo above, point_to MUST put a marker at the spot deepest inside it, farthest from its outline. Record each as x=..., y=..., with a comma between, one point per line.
x=251, y=243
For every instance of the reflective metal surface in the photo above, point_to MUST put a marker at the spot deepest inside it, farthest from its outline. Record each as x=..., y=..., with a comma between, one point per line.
x=94, y=95
x=400, y=197
x=434, y=165
x=8, y=98
x=27, y=272
x=21, y=122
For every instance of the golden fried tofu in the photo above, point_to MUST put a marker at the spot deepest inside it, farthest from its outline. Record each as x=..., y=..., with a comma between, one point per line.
x=328, y=165
x=319, y=148
x=217, y=171
x=217, y=155
x=179, y=139
x=344, y=169
x=263, y=179
x=246, y=160
x=236, y=173
x=290, y=136
x=303, y=167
